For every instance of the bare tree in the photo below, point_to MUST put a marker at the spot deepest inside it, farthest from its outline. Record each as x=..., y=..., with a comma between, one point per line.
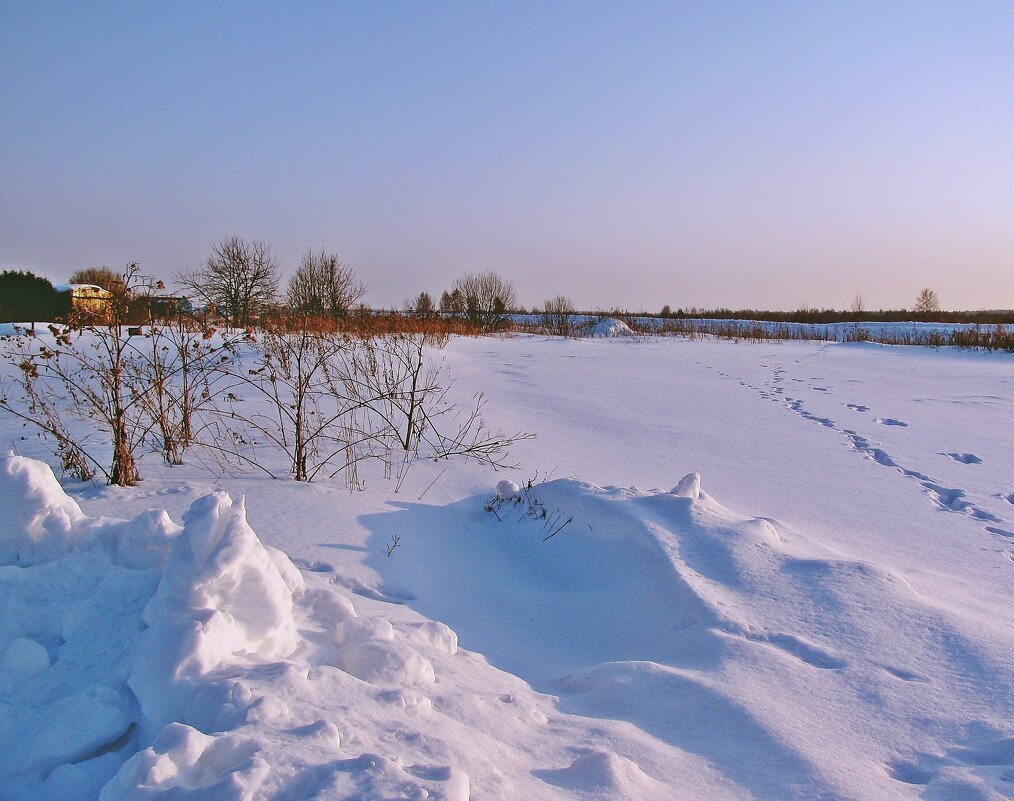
x=237, y=280
x=926, y=302
x=322, y=285
x=99, y=276
x=556, y=315
x=488, y=298
x=858, y=306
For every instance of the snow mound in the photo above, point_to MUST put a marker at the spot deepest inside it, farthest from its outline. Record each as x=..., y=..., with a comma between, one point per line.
x=183, y=761
x=72, y=591
x=610, y=327
x=222, y=598
x=603, y=772
x=39, y=522
x=367, y=649
x=507, y=490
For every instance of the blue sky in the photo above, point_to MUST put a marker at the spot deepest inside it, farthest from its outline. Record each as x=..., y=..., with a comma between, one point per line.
x=625, y=154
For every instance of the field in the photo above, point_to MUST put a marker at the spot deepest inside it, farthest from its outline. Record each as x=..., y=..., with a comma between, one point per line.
x=824, y=611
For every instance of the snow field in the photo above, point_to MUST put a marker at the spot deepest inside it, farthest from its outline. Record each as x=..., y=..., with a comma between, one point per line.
x=821, y=611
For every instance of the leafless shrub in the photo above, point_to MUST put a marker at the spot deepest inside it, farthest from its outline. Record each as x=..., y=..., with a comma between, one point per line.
x=405, y=388
x=44, y=413
x=130, y=384
x=292, y=408
x=330, y=400
x=180, y=367
x=556, y=316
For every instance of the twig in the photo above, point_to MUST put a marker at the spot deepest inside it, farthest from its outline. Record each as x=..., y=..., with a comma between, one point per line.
x=434, y=481
x=561, y=528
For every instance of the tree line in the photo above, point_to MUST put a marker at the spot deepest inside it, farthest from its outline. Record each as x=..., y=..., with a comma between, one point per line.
x=240, y=283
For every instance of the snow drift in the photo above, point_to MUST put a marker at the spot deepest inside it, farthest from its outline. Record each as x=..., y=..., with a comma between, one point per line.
x=144, y=660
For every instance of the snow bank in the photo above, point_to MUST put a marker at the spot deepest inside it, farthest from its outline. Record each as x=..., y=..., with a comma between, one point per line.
x=82, y=686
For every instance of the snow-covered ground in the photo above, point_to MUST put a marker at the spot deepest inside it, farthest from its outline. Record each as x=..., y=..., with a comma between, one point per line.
x=828, y=612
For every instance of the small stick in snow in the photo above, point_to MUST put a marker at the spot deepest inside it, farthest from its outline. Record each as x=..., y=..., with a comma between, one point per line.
x=434, y=481
x=561, y=528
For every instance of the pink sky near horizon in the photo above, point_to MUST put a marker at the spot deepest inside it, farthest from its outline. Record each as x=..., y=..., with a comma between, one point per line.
x=735, y=155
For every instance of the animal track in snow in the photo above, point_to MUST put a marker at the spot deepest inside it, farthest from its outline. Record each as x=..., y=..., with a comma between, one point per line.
x=950, y=499
x=890, y=421
x=861, y=444
x=798, y=407
x=953, y=500
x=964, y=458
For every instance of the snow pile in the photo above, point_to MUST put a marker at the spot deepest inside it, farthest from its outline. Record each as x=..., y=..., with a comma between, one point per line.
x=38, y=518
x=507, y=490
x=222, y=599
x=610, y=327
x=713, y=646
x=688, y=487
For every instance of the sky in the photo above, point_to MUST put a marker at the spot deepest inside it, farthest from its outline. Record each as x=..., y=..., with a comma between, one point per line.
x=627, y=154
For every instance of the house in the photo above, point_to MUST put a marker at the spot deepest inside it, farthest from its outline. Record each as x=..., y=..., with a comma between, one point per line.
x=87, y=300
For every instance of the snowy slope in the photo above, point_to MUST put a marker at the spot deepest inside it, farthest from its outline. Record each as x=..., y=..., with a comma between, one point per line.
x=826, y=614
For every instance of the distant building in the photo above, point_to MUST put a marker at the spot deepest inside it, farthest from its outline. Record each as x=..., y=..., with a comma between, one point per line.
x=166, y=306
x=88, y=300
